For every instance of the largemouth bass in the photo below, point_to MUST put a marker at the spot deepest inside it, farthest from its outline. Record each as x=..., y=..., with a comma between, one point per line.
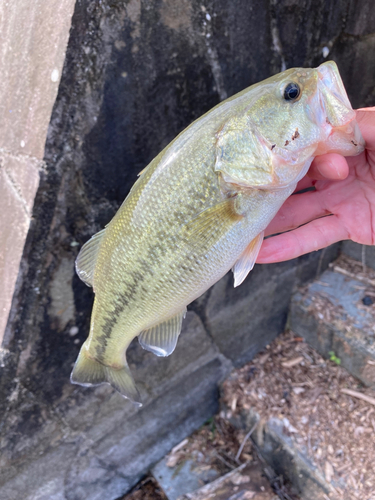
x=200, y=208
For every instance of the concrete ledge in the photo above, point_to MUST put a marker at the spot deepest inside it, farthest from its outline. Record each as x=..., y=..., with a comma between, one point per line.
x=330, y=316
x=279, y=452
x=365, y=253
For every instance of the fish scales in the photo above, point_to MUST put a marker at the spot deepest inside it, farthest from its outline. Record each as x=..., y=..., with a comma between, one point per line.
x=199, y=209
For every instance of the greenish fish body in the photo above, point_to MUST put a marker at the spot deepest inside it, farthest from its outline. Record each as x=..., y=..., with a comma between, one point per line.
x=200, y=209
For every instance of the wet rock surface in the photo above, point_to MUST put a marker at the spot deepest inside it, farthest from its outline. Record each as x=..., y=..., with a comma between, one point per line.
x=136, y=73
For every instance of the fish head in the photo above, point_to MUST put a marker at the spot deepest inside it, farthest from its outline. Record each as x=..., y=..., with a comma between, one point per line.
x=287, y=120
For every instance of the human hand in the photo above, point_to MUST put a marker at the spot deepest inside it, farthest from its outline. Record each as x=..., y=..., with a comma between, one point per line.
x=342, y=206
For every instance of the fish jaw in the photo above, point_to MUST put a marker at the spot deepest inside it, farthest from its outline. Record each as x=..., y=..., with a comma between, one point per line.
x=335, y=115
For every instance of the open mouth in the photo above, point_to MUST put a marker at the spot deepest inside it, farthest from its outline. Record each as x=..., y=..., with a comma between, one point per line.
x=335, y=109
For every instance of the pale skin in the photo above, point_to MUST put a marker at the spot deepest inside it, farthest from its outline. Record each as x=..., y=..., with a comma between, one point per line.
x=341, y=208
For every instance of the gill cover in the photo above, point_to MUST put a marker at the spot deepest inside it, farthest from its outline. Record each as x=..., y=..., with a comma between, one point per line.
x=242, y=155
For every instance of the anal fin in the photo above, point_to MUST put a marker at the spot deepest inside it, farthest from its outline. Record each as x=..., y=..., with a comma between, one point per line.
x=162, y=339
x=87, y=372
x=247, y=260
x=86, y=260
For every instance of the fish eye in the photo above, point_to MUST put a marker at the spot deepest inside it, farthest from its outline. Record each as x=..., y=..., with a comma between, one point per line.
x=292, y=92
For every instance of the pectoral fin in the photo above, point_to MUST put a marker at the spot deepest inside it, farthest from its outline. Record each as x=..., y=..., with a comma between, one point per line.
x=86, y=260
x=211, y=224
x=247, y=260
x=162, y=339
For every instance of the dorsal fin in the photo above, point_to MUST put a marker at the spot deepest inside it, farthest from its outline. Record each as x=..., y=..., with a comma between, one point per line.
x=86, y=260
x=247, y=260
x=162, y=339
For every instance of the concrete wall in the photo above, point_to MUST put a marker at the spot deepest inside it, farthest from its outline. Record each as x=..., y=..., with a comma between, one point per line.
x=135, y=74
x=363, y=253
x=34, y=37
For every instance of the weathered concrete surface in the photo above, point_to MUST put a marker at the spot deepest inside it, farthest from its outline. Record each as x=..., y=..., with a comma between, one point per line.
x=99, y=444
x=14, y=225
x=286, y=460
x=136, y=73
x=348, y=331
x=181, y=480
x=34, y=36
x=362, y=253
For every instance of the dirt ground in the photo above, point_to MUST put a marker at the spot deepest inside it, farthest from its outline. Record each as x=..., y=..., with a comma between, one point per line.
x=290, y=381
x=329, y=414
x=147, y=489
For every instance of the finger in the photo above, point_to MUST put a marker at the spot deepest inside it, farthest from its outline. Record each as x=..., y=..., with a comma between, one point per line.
x=329, y=166
x=311, y=237
x=304, y=183
x=296, y=211
x=366, y=122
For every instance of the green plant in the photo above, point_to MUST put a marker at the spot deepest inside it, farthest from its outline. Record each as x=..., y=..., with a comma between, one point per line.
x=334, y=358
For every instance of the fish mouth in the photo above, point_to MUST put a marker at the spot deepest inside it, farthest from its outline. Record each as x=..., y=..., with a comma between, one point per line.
x=336, y=114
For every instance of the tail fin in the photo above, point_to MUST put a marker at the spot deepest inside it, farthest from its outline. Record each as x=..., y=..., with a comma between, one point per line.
x=87, y=371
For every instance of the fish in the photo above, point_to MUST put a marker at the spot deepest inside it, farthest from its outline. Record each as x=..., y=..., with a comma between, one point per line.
x=199, y=209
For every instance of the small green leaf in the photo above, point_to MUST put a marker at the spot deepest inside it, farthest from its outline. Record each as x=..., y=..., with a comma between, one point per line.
x=334, y=358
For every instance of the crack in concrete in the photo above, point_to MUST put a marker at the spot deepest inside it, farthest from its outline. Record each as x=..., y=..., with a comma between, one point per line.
x=357, y=37
x=276, y=42
x=213, y=58
x=16, y=190
x=36, y=161
x=39, y=165
x=216, y=71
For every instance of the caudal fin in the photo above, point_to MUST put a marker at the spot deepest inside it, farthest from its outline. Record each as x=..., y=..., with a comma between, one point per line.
x=88, y=372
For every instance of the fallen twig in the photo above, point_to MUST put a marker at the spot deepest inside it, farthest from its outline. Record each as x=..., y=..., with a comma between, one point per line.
x=222, y=459
x=179, y=446
x=340, y=270
x=244, y=441
x=292, y=362
x=359, y=395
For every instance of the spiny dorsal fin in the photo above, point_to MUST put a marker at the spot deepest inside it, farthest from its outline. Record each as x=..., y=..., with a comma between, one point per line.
x=162, y=339
x=247, y=260
x=86, y=260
